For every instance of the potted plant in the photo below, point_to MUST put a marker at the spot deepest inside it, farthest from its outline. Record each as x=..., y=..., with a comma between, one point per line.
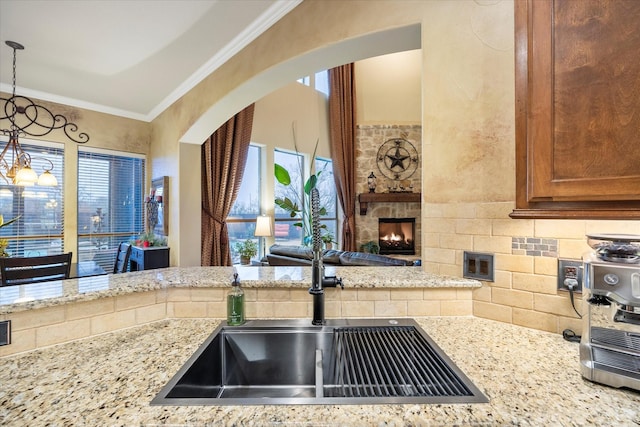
x=370, y=247
x=247, y=250
x=327, y=239
x=297, y=206
x=148, y=239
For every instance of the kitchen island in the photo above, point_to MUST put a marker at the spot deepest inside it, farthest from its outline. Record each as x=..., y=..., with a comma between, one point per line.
x=96, y=351
x=49, y=313
x=531, y=378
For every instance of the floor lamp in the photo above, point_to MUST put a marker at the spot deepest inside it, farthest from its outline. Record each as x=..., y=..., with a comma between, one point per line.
x=264, y=228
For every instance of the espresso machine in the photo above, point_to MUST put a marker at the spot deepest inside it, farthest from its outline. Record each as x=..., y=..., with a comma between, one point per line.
x=610, y=343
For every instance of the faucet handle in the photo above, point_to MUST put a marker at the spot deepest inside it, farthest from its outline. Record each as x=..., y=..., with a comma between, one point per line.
x=332, y=282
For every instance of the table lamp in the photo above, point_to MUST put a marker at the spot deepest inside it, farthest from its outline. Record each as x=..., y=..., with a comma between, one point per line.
x=264, y=228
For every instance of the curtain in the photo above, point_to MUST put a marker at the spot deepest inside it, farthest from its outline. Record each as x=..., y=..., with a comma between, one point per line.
x=342, y=119
x=223, y=158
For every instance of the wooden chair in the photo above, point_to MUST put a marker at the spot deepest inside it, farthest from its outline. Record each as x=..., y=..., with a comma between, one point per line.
x=122, y=258
x=22, y=271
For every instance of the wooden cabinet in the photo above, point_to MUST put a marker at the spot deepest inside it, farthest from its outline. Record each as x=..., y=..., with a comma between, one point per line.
x=577, y=109
x=148, y=258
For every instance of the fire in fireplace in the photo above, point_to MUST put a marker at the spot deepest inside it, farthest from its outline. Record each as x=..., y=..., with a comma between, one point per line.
x=395, y=236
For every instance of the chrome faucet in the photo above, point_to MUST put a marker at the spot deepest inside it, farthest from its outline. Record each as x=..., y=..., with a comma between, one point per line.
x=318, y=280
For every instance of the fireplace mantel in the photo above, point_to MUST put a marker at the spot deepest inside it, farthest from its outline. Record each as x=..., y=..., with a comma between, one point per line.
x=404, y=197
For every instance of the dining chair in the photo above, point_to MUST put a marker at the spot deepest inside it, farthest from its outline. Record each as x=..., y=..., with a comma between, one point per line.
x=25, y=270
x=122, y=258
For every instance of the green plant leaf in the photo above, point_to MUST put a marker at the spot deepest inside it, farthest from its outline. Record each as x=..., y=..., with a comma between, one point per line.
x=282, y=175
x=310, y=184
x=288, y=205
x=313, y=156
x=11, y=221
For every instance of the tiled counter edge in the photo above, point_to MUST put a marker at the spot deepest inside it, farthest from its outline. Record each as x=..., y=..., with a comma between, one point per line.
x=200, y=292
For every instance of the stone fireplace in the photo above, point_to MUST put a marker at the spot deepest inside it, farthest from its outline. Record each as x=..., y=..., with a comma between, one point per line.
x=369, y=138
x=396, y=236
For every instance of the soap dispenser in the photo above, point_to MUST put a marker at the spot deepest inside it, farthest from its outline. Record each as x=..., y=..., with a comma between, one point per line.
x=235, y=303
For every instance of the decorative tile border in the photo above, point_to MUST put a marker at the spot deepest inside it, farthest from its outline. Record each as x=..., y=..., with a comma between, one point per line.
x=534, y=246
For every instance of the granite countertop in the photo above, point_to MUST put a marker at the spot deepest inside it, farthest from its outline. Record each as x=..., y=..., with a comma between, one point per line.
x=46, y=294
x=532, y=378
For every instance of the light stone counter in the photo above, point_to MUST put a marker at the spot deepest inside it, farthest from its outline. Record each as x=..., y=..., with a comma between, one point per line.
x=531, y=378
x=40, y=295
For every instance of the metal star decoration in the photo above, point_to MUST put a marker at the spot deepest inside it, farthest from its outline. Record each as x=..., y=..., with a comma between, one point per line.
x=397, y=159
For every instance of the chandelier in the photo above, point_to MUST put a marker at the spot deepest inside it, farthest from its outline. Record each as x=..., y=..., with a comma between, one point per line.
x=25, y=117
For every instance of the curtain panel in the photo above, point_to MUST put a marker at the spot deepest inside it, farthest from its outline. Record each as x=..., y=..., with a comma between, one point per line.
x=223, y=158
x=342, y=122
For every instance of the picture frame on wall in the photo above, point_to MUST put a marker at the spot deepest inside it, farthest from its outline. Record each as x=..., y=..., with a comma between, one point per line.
x=161, y=186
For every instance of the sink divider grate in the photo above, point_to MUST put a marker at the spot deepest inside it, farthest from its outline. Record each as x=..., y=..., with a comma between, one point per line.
x=389, y=361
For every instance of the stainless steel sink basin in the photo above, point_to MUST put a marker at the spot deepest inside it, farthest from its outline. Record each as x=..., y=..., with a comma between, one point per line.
x=357, y=361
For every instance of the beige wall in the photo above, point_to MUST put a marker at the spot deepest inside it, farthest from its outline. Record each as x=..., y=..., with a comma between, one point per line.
x=389, y=88
x=292, y=105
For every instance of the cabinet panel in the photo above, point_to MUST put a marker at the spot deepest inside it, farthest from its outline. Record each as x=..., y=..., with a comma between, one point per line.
x=577, y=108
x=148, y=258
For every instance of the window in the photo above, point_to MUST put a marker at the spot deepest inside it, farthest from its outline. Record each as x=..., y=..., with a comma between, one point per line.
x=111, y=190
x=285, y=232
x=320, y=81
x=241, y=222
x=41, y=209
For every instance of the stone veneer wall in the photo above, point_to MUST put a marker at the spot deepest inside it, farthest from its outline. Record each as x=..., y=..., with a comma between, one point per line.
x=369, y=138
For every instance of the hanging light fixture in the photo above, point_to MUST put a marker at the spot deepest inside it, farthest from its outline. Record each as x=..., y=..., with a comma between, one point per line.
x=25, y=117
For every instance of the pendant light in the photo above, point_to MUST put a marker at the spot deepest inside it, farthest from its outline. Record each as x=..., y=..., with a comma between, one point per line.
x=25, y=117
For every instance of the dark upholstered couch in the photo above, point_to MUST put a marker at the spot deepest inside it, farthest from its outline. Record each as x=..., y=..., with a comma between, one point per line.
x=302, y=255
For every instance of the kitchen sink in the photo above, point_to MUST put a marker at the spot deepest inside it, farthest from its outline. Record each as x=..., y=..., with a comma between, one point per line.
x=355, y=361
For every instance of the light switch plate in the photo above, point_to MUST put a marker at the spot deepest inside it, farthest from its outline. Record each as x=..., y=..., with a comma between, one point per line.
x=5, y=332
x=478, y=266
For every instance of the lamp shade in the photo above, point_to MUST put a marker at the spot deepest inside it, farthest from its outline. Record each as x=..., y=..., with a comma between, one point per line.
x=264, y=228
x=26, y=177
x=47, y=179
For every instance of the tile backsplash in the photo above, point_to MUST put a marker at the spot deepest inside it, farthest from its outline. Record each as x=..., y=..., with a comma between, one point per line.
x=524, y=290
x=534, y=246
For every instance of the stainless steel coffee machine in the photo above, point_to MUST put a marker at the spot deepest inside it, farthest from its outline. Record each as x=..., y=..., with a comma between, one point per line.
x=610, y=343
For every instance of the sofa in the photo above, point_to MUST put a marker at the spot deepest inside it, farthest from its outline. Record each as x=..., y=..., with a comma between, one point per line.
x=283, y=255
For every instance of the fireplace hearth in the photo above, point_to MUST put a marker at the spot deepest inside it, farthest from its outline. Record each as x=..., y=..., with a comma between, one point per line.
x=396, y=236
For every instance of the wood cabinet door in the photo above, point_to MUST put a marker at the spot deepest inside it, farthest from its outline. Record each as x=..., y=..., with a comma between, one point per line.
x=578, y=108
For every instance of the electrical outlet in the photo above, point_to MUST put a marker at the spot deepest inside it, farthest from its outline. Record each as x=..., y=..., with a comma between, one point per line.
x=569, y=272
x=5, y=332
